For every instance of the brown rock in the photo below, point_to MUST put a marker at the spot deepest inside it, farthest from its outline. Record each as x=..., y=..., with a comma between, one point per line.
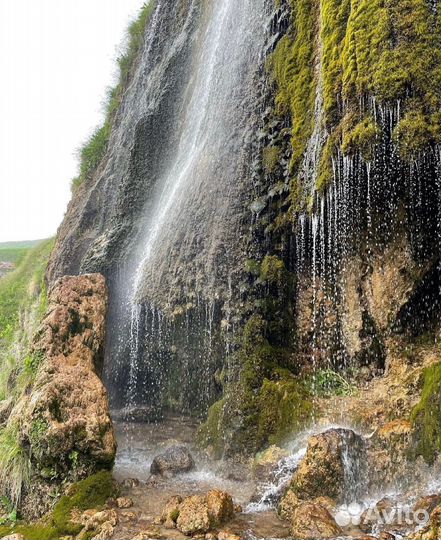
x=15, y=536
x=148, y=534
x=288, y=505
x=105, y=532
x=321, y=473
x=220, y=507
x=171, y=512
x=65, y=420
x=386, y=536
x=124, y=502
x=193, y=516
x=127, y=516
x=428, y=503
x=313, y=522
x=226, y=535
x=174, y=460
x=130, y=483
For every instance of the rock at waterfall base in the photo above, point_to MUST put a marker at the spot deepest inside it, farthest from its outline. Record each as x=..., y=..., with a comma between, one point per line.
x=176, y=459
x=198, y=514
x=321, y=473
x=313, y=522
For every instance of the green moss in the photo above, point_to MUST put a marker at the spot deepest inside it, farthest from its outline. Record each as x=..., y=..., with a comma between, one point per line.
x=426, y=415
x=291, y=67
x=362, y=138
x=210, y=434
x=273, y=270
x=95, y=148
x=270, y=159
x=360, y=51
x=93, y=492
x=285, y=408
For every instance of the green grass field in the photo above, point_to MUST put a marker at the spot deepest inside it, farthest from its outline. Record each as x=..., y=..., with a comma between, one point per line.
x=13, y=252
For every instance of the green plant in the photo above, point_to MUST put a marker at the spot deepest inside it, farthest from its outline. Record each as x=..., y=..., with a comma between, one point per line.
x=326, y=383
x=15, y=464
x=94, y=149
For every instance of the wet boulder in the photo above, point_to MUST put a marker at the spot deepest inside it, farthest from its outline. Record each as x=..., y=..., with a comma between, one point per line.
x=332, y=466
x=198, y=514
x=176, y=459
x=313, y=522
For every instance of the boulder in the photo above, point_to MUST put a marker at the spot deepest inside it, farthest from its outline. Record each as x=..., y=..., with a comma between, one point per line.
x=432, y=531
x=176, y=459
x=313, y=522
x=428, y=503
x=193, y=516
x=124, y=502
x=64, y=418
x=198, y=514
x=332, y=466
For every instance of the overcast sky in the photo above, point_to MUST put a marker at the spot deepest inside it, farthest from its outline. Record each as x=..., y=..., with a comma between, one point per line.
x=57, y=58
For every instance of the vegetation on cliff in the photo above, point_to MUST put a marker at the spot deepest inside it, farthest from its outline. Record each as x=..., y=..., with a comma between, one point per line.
x=426, y=416
x=95, y=148
x=360, y=55
x=22, y=303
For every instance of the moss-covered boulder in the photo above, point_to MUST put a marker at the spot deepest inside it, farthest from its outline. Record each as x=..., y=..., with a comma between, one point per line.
x=426, y=416
x=61, y=423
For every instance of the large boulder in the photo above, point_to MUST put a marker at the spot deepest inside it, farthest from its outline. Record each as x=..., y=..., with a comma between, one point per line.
x=176, y=459
x=63, y=418
x=332, y=466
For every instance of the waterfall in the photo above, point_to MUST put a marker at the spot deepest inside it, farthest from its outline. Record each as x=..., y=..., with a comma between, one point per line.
x=172, y=279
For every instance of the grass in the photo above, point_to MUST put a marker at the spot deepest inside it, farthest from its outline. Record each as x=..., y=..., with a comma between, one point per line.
x=15, y=466
x=94, y=149
x=328, y=383
x=22, y=303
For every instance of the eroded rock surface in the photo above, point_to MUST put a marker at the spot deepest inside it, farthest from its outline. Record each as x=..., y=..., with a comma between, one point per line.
x=63, y=417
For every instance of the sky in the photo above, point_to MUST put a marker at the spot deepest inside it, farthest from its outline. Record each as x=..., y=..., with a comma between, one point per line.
x=57, y=58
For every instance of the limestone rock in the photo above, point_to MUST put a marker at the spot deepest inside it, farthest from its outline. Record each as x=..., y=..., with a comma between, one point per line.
x=15, y=536
x=220, y=506
x=226, y=535
x=313, y=522
x=194, y=516
x=198, y=514
x=322, y=471
x=171, y=512
x=64, y=419
x=124, y=502
x=174, y=460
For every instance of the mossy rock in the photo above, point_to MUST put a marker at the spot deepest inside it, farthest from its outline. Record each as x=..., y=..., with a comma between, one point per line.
x=91, y=493
x=426, y=416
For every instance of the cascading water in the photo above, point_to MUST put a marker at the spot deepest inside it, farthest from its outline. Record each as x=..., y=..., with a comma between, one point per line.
x=172, y=289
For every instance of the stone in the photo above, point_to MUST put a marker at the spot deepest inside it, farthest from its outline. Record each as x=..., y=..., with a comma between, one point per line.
x=194, y=516
x=321, y=473
x=171, y=512
x=265, y=462
x=106, y=531
x=130, y=483
x=288, y=505
x=220, y=506
x=97, y=519
x=428, y=503
x=65, y=420
x=126, y=516
x=386, y=536
x=124, y=502
x=148, y=534
x=227, y=535
x=15, y=536
x=313, y=522
x=198, y=514
x=176, y=459
x=432, y=531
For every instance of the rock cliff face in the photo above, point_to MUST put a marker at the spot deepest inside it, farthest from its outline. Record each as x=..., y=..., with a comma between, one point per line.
x=62, y=419
x=268, y=209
